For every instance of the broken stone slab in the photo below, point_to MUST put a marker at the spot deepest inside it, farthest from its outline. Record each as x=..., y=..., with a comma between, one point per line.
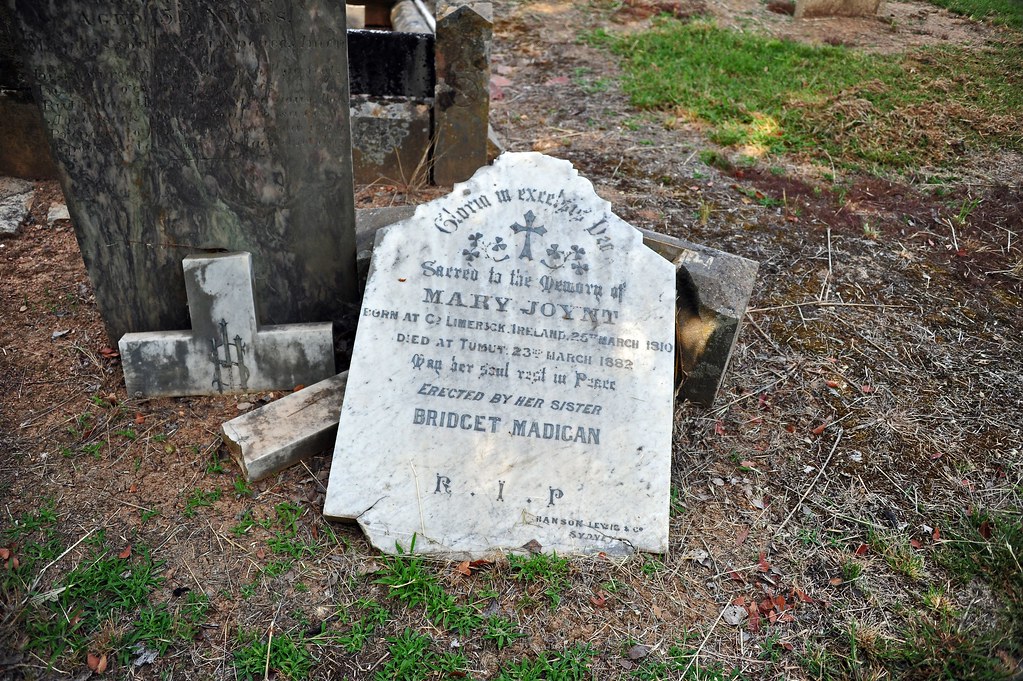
x=267, y=440
x=725, y=283
x=58, y=211
x=809, y=9
x=227, y=350
x=15, y=200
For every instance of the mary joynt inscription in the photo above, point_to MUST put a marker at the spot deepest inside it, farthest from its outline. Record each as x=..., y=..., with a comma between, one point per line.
x=512, y=374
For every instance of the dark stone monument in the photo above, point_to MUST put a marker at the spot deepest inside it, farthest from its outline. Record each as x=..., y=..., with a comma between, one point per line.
x=182, y=127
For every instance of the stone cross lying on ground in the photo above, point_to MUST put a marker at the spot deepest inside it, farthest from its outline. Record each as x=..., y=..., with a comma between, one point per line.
x=226, y=351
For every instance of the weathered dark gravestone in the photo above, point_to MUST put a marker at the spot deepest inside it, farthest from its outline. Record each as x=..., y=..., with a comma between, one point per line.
x=184, y=126
x=512, y=374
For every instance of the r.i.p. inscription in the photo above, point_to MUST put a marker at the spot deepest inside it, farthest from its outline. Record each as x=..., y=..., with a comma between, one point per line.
x=512, y=374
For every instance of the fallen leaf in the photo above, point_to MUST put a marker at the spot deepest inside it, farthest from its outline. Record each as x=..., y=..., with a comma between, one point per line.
x=126, y=553
x=866, y=389
x=739, y=600
x=500, y=81
x=598, y=601
x=463, y=568
x=762, y=564
x=835, y=581
x=790, y=428
x=557, y=80
x=133, y=488
x=801, y=595
x=719, y=428
x=766, y=605
x=936, y=535
x=5, y=553
x=298, y=387
x=861, y=549
x=638, y=652
x=533, y=546
x=741, y=536
x=772, y=617
x=985, y=529
x=819, y=429
x=754, y=620
x=260, y=553
x=779, y=603
x=139, y=418
x=935, y=455
x=94, y=661
x=833, y=384
x=915, y=543
x=108, y=352
x=736, y=576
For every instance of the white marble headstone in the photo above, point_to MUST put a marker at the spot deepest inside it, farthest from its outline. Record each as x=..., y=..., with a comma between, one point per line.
x=512, y=375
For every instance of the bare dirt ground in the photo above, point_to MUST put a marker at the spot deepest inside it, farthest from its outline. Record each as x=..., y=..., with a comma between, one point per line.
x=874, y=397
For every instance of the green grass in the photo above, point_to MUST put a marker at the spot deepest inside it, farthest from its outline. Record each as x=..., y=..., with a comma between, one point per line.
x=411, y=659
x=410, y=581
x=285, y=653
x=549, y=570
x=93, y=602
x=871, y=111
x=572, y=664
x=200, y=499
x=897, y=552
x=999, y=12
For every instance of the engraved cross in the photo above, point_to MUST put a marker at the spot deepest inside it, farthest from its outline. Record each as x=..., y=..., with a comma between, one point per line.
x=529, y=229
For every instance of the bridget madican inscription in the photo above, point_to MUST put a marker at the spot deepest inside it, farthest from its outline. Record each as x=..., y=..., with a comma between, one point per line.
x=512, y=374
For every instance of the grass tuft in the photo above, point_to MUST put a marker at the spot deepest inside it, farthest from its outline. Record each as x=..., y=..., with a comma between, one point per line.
x=870, y=111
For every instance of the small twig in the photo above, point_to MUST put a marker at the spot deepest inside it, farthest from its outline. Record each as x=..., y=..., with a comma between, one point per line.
x=419, y=498
x=827, y=278
x=764, y=335
x=813, y=483
x=823, y=303
x=35, y=582
x=758, y=391
x=703, y=643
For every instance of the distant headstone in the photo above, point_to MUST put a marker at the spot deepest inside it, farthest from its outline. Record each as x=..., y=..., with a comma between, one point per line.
x=227, y=351
x=809, y=9
x=512, y=375
x=15, y=201
x=197, y=126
